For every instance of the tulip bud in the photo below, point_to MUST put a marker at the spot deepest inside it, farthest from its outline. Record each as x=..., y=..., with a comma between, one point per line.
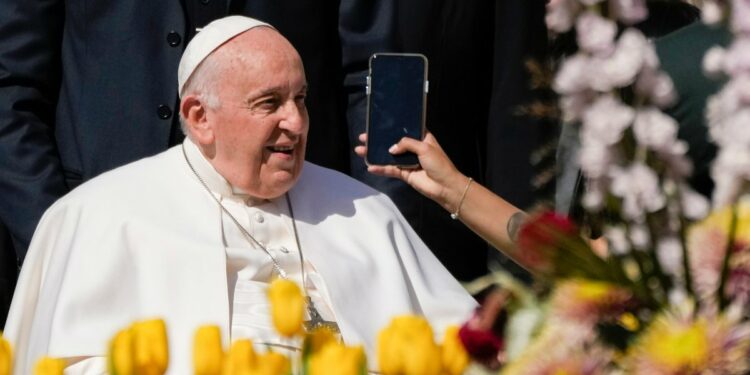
x=271, y=363
x=120, y=356
x=287, y=306
x=454, y=355
x=150, y=347
x=6, y=356
x=337, y=359
x=316, y=340
x=240, y=358
x=406, y=346
x=207, y=351
x=50, y=366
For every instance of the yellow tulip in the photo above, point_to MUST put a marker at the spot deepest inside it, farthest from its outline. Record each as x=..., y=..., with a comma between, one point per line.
x=271, y=363
x=150, y=347
x=240, y=358
x=337, y=359
x=50, y=366
x=207, y=351
x=120, y=356
x=287, y=306
x=316, y=340
x=6, y=356
x=407, y=347
x=455, y=357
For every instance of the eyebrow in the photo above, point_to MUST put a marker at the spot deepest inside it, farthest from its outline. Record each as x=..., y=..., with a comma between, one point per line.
x=269, y=91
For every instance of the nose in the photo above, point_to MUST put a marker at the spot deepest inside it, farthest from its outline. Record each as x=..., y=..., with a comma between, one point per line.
x=294, y=117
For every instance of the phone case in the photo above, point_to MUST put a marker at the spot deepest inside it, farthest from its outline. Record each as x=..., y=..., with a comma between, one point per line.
x=405, y=161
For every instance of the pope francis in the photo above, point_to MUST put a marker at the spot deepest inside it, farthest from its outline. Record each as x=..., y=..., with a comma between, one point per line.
x=195, y=234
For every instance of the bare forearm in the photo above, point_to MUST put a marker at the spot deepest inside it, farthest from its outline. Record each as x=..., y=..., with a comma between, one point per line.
x=482, y=211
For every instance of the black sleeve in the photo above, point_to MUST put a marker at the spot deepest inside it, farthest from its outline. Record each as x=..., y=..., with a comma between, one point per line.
x=31, y=176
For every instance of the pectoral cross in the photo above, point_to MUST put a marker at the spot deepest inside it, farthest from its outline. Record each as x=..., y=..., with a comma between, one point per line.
x=316, y=321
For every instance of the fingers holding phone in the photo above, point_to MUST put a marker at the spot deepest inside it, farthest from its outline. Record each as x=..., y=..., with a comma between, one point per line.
x=436, y=173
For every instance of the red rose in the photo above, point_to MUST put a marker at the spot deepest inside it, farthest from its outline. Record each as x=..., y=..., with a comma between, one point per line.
x=482, y=335
x=538, y=238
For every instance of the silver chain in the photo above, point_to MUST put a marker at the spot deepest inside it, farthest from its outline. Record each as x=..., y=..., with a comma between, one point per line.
x=315, y=318
x=249, y=237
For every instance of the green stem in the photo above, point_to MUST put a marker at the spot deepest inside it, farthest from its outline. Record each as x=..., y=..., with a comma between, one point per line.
x=686, y=261
x=645, y=276
x=723, y=301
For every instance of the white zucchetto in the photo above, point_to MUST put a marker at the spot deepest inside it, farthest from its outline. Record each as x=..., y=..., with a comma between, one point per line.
x=209, y=39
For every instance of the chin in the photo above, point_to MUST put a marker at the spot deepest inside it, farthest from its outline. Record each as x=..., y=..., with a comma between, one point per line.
x=282, y=183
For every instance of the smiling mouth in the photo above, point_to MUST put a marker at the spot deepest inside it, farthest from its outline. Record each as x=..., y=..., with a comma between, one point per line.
x=282, y=149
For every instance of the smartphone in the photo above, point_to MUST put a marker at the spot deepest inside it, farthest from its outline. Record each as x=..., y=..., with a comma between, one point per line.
x=397, y=89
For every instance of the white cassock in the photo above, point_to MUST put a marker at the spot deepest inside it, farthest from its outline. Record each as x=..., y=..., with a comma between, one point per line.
x=147, y=240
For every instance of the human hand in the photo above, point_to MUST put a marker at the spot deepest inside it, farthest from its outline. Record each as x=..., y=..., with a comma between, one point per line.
x=436, y=177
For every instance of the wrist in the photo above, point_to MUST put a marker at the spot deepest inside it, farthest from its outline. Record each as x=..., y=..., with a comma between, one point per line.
x=454, y=194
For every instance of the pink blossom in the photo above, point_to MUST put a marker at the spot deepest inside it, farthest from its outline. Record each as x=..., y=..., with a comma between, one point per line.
x=694, y=205
x=605, y=120
x=734, y=129
x=656, y=86
x=737, y=57
x=731, y=165
x=561, y=15
x=669, y=253
x=713, y=61
x=629, y=11
x=619, y=69
x=593, y=199
x=639, y=236
x=638, y=186
x=740, y=20
x=595, y=159
x=726, y=187
x=594, y=33
x=593, y=195
x=711, y=12
x=654, y=129
x=617, y=239
x=571, y=77
x=720, y=106
x=674, y=157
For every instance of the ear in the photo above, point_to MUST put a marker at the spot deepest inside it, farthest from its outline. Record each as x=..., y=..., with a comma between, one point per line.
x=196, y=120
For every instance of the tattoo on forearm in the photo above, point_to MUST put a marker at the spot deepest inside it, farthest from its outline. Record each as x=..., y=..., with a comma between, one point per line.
x=514, y=223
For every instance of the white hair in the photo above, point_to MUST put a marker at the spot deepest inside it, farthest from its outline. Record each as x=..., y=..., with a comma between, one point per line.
x=203, y=84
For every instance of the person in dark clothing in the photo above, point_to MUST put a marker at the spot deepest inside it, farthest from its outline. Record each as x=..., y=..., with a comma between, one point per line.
x=476, y=52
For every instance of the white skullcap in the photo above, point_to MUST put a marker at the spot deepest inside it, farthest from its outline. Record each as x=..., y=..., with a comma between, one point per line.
x=207, y=40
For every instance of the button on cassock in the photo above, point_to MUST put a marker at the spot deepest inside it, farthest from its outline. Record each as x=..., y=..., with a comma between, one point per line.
x=174, y=39
x=164, y=112
x=259, y=217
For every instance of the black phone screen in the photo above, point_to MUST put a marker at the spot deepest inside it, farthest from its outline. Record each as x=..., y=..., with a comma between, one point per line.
x=396, y=106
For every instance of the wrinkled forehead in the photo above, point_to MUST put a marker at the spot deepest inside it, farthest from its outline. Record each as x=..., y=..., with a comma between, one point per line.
x=259, y=45
x=246, y=62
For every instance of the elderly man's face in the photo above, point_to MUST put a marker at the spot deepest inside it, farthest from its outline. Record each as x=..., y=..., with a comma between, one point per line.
x=260, y=127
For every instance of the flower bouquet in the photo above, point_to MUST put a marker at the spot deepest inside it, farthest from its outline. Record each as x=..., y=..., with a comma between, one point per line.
x=665, y=288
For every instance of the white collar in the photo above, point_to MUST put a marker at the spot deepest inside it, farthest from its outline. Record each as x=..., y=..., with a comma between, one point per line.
x=213, y=179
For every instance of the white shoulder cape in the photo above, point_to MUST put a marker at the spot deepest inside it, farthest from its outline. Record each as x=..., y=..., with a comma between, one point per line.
x=144, y=241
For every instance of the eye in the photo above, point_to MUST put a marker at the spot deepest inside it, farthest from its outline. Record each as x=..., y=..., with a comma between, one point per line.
x=300, y=98
x=268, y=104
